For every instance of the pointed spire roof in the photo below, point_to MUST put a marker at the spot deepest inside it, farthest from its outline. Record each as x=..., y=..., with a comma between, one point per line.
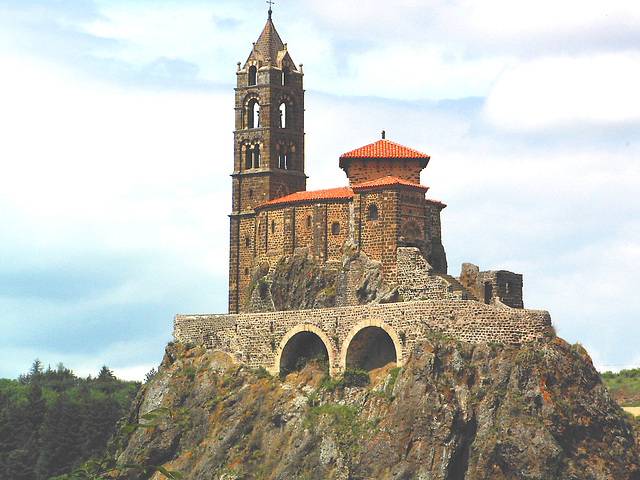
x=269, y=43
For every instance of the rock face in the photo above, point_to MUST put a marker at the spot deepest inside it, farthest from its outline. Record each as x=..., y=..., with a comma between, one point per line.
x=455, y=411
x=300, y=282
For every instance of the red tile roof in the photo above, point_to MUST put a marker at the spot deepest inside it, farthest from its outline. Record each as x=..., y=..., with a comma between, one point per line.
x=310, y=196
x=342, y=193
x=389, y=181
x=437, y=202
x=384, y=149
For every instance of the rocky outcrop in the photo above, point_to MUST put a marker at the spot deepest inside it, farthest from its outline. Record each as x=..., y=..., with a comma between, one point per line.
x=301, y=282
x=455, y=411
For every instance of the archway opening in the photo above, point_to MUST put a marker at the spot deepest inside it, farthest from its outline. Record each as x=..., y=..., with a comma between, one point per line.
x=253, y=75
x=371, y=348
x=302, y=348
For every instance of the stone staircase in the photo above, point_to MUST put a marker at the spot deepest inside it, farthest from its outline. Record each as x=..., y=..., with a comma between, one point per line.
x=456, y=286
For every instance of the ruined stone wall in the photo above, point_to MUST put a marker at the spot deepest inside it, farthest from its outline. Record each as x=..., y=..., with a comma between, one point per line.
x=502, y=286
x=259, y=339
x=416, y=280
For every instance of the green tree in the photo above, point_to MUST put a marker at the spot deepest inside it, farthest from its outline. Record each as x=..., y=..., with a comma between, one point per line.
x=60, y=441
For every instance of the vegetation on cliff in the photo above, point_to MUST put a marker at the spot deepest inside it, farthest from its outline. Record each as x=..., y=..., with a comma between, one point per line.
x=454, y=411
x=624, y=386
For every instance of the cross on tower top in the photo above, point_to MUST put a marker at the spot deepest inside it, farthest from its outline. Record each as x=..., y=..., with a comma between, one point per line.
x=270, y=2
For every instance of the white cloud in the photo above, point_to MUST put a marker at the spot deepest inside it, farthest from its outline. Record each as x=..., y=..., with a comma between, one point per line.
x=558, y=93
x=115, y=194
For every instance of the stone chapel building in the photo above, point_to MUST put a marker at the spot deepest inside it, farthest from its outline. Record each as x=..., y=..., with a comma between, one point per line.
x=273, y=215
x=378, y=230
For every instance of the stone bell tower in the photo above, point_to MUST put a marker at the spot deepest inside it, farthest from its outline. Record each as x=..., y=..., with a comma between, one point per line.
x=268, y=148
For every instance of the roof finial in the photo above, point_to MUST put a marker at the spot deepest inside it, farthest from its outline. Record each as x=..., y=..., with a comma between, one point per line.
x=383, y=134
x=270, y=2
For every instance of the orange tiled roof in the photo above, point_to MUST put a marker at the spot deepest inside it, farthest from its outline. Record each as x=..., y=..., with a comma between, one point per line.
x=384, y=149
x=310, y=196
x=388, y=181
x=437, y=202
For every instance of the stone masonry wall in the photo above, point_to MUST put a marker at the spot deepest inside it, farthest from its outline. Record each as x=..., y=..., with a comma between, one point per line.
x=363, y=170
x=416, y=281
x=259, y=339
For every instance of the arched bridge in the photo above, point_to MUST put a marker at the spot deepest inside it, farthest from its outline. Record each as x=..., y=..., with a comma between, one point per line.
x=363, y=337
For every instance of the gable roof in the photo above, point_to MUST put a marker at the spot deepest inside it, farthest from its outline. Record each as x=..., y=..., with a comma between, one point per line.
x=310, y=196
x=388, y=181
x=385, y=149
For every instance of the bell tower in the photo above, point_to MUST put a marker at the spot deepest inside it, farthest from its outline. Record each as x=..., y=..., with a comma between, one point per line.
x=268, y=147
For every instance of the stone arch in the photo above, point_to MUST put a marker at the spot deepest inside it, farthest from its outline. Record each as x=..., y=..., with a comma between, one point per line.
x=251, y=153
x=283, y=115
x=375, y=331
x=285, y=152
x=253, y=75
x=295, y=340
x=252, y=111
x=286, y=105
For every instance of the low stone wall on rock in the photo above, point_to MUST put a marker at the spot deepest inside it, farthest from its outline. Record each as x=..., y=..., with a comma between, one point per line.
x=259, y=339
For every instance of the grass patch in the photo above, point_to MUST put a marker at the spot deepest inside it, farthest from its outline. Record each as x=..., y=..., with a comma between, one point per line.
x=349, y=378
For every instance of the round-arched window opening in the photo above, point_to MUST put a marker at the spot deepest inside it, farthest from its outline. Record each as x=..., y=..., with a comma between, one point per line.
x=308, y=221
x=246, y=271
x=273, y=226
x=302, y=348
x=373, y=212
x=253, y=75
x=283, y=115
x=335, y=228
x=247, y=242
x=250, y=193
x=371, y=348
x=253, y=113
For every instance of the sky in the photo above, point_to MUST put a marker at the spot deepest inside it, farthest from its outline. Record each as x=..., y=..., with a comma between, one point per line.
x=116, y=146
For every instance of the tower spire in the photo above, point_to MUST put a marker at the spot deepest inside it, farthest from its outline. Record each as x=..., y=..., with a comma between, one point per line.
x=270, y=2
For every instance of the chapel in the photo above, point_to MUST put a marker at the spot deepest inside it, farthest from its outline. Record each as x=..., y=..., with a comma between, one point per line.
x=383, y=207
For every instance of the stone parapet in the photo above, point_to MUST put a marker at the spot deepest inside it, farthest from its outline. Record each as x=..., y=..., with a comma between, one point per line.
x=259, y=339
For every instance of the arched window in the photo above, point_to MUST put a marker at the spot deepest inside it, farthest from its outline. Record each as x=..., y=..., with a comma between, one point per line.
x=335, y=228
x=248, y=160
x=250, y=193
x=247, y=242
x=373, y=212
x=253, y=75
x=285, y=76
x=283, y=115
x=256, y=156
x=309, y=221
x=273, y=226
x=253, y=113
